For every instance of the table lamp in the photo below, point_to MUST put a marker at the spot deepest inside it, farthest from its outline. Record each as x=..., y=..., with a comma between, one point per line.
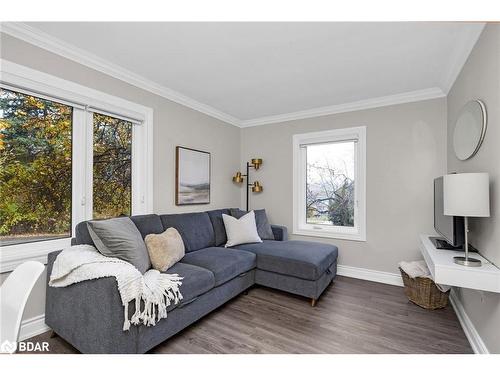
x=467, y=195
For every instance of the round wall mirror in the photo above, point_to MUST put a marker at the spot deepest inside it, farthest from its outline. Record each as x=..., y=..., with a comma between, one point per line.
x=469, y=130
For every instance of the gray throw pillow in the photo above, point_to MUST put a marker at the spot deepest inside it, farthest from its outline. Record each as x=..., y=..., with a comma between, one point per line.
x=263, y=227
x=121, y=239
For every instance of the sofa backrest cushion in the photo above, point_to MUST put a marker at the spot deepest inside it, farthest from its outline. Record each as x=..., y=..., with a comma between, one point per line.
x=148, y=224
x=82, y=235
x=145, y=223
x=195, y=228
x=218, y=224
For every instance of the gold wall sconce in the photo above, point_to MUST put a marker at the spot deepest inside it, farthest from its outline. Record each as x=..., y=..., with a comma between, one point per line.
x=239, y=177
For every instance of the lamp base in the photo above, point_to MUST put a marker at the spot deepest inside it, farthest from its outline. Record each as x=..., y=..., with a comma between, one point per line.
x=468, y=262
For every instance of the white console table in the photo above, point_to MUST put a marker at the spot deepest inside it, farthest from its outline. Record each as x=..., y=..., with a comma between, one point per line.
x=445, y=271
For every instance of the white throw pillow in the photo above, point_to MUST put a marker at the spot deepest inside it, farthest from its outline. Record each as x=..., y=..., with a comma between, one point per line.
x=242, y=230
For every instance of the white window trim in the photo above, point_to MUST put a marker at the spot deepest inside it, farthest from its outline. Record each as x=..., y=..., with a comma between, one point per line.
x=300, y=227
x=37, y=82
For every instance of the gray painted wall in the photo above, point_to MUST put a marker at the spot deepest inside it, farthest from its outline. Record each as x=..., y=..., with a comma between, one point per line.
x=405, y=152
x=480, y=79
x=174, y=125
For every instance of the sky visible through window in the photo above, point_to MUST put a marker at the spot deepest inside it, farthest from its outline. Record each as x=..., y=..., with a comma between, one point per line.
x=330, y=184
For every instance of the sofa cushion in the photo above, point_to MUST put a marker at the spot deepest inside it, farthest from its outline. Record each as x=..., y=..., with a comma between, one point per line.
x=82, y=235
x=148, y=224
x=145, y=223
x=303, y=259
x=165, y=249
x=120, y=238
x=225, y=264
x=218, y=224
x=242, y=230
x=261, y=221
x=195, y=228
x=196, y=281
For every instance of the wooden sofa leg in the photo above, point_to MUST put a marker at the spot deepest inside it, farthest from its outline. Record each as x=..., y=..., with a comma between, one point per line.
x=313, y=302
x=52, y=334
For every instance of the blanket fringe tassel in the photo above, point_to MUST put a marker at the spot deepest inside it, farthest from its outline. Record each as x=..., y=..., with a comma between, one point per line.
x=155, y=302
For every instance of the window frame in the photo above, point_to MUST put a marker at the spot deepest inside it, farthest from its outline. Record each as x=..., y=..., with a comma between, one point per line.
x=300, y=225
x=33, y=82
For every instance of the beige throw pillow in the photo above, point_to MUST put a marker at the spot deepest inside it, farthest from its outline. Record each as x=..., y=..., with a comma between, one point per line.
x=165, y=249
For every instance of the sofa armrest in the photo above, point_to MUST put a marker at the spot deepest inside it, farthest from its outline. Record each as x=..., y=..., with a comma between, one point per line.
x=280, y=232
x=89, y=315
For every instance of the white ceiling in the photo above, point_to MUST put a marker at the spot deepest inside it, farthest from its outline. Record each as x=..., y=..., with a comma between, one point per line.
x=255, y=70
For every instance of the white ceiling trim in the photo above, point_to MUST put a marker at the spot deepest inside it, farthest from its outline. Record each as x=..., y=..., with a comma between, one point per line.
x=61, y=48
x=43, y=40
x=383, y=101
x=461, y=55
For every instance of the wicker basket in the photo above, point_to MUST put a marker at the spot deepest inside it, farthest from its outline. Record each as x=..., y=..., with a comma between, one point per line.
x=423, y=292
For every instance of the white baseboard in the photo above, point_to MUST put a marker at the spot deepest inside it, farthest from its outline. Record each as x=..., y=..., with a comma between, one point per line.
x=475, y=340
x=370, y=275
x=32, y=327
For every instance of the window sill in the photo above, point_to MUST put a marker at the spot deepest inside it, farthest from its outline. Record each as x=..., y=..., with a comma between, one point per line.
x=14, y=255
x=326, y=234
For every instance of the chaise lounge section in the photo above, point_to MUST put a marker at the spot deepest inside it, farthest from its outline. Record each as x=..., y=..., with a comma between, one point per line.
x=89, y=315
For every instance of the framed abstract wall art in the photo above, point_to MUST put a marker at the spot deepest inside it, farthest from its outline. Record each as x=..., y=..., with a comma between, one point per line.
x=192, y=176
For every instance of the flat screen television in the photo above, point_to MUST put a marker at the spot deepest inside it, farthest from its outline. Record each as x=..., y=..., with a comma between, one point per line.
x=450, y=227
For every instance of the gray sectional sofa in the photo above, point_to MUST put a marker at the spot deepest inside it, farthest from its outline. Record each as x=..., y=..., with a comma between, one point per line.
x=89, y=315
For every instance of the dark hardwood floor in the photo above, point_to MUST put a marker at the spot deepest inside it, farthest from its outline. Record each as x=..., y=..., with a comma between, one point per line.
x=352, y=316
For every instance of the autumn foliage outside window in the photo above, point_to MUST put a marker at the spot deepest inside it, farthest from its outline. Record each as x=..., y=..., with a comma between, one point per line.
x=36, y=168
x=112, y=191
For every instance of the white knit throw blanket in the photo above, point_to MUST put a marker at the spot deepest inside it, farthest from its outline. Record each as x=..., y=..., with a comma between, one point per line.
x=157, y=290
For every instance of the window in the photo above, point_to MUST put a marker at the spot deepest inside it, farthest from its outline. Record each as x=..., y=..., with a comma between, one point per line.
x=329, y=184
x=35, y=168
x=68, y=153
x=112, y=160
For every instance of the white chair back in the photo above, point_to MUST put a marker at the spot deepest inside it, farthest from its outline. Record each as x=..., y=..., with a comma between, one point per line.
x=14, y=293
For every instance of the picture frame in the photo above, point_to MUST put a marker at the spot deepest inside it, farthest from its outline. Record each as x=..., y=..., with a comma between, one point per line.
x=192, y=176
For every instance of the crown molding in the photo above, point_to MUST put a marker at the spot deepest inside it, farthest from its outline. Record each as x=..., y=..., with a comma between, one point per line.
x=43, y=40
x=460, y=56
x=383, y=101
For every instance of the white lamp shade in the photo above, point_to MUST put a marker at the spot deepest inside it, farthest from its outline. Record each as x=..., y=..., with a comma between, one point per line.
x=466, y=194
